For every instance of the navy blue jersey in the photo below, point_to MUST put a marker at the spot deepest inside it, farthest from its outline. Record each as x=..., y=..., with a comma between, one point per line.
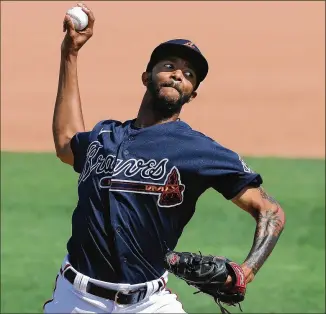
x=137, y=190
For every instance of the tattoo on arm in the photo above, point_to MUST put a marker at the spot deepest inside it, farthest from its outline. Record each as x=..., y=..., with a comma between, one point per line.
x=270, y=223
x=264, y=195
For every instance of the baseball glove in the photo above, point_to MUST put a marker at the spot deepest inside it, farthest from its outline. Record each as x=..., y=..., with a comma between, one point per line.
x=208, y=274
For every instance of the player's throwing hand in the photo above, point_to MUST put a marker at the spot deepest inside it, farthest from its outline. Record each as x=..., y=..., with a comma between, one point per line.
x=74, y=40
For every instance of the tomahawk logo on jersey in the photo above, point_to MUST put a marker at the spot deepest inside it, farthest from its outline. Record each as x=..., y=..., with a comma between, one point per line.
x=170, y=193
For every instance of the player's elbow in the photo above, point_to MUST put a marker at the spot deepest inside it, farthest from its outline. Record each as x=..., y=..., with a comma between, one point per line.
x=274, y=214
x=64, y=153
x=61, y=156
x=276, y=211
x=269, y=211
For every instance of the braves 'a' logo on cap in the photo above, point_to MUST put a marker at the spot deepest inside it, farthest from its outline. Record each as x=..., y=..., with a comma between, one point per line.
x=190, y=44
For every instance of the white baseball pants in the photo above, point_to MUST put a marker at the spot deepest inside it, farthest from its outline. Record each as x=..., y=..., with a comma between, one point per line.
x=72, y=298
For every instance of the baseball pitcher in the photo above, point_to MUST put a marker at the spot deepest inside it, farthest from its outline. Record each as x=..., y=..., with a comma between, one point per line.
x=139, y=181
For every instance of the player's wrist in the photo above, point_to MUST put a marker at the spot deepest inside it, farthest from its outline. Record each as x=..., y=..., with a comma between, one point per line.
x=248, y=272
x=68, y=50
x=69, y=54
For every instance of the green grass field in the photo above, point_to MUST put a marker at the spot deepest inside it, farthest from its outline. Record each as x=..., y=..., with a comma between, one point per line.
x=38, y=195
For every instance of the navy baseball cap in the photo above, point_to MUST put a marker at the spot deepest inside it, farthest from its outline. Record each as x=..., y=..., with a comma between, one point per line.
x=182, y=48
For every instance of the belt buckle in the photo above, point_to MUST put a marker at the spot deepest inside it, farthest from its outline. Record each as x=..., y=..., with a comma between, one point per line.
x=116, y=297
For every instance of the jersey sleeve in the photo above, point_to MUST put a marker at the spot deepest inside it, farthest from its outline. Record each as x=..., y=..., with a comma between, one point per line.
x=79, y=145
x=80, y=142
x=226, y=172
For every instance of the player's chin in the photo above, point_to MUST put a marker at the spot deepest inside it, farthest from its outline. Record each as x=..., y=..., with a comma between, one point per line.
x=169, y=101
x=170, y=94
x=167, y=106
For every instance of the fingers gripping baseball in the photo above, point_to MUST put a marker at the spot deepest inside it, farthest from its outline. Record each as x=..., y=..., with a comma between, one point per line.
x=68, y=25
x=91, y=18
x=74, y=38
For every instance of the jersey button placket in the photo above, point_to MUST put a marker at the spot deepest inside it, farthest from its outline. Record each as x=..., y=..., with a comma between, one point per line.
x=125, y=151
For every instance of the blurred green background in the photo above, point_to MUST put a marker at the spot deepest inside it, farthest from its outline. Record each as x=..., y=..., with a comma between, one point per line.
x=38, y=195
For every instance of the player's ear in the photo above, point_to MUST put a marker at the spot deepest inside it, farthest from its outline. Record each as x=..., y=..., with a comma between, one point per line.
x=145, y=78
x=193, y=96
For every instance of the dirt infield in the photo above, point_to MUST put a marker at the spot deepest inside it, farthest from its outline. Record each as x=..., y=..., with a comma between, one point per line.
x=264, y=94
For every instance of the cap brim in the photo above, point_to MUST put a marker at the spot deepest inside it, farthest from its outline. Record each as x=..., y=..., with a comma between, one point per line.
x=196, y=59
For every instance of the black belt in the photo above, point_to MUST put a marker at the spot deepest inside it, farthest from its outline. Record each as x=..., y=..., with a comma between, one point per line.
x=119, y=297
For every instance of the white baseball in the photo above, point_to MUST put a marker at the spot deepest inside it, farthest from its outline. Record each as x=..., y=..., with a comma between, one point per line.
x=79, y=18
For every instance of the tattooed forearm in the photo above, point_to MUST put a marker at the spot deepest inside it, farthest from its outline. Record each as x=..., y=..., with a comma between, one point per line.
x=270, y=224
